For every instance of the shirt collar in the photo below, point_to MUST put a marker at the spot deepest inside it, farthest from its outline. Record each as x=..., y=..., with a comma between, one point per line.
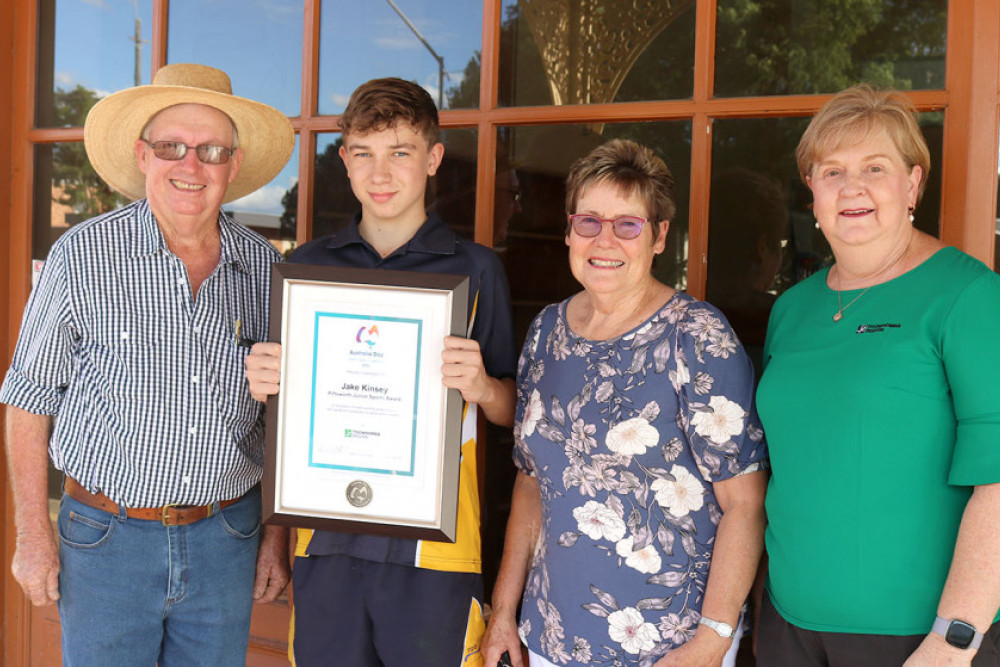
x=433, y=237
x=149, y=239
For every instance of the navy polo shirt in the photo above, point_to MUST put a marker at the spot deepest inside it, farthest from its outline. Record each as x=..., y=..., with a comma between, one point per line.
x=433, y=249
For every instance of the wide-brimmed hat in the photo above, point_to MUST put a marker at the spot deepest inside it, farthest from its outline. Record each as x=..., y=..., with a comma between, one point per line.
x=114, y=123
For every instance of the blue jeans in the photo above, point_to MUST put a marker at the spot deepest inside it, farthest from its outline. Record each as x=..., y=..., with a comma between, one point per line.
x=136, y=593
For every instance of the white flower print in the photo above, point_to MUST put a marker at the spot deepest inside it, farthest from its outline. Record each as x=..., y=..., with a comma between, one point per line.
x=581, y=650
x=582, y=436
x=599, y=475
x=703, y=383
x=628, y=628
x=632, y=436
x=598, y=521
x=681, y=376
x=532, y=413
x=645, y=560
x=721, y=423
x=537, y=370
x=722, y=345
x=681, y=495
x=703, y=324
x=559, y=343
x=678, y=629
x=675, y=310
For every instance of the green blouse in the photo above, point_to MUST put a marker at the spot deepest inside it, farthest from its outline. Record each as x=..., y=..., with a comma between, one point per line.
x=879, y=425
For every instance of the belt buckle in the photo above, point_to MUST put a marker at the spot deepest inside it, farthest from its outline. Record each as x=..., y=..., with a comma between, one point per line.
x=164, y=520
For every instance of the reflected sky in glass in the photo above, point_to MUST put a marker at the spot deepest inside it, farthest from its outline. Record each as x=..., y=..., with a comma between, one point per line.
x=267, y=200
x=93, y=46
x=360, y=41
x=257, y=42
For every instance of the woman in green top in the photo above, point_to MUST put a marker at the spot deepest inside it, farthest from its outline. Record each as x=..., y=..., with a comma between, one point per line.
x=881, y=403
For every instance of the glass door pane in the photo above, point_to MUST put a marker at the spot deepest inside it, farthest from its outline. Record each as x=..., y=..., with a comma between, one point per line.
x=588, y=52
x=87, y=50
x=786, y=47
x=257, y=43
x=534, y=250
x=434, y=43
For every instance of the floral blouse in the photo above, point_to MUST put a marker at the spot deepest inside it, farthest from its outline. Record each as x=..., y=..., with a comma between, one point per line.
x=626, y=437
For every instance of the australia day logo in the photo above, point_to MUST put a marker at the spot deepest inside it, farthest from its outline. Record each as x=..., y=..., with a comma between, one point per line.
x=367, y=336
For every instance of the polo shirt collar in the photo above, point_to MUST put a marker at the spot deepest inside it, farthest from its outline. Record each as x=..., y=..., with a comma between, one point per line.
x=433, y=237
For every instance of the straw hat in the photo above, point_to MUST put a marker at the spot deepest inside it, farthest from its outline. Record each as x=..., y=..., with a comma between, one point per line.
x=114, y=123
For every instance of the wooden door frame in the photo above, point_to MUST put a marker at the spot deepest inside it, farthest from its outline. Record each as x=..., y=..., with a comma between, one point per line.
x=15, y=19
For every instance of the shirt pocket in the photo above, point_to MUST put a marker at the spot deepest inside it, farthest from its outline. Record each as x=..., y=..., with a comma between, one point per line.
x=127, y=358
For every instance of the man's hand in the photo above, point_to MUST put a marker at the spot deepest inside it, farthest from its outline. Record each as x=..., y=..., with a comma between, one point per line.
x=264, y=370
x=36, y=567
x=272, y=565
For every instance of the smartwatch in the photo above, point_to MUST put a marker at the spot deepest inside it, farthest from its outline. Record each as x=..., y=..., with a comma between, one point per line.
x=959, y=634
x=723, y=629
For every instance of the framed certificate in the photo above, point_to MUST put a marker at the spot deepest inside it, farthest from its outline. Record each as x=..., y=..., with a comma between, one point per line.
x=363, y=436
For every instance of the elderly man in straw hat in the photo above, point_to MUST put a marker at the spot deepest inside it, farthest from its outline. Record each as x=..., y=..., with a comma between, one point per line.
x=129, y=372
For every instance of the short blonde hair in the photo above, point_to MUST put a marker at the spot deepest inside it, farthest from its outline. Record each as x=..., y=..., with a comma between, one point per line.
x=633, y=169
x=856, y=113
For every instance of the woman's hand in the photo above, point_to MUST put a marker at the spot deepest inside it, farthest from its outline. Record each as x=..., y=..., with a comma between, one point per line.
x=501, y=635
x=523, y=527
x=934, y=651
x=705, y=649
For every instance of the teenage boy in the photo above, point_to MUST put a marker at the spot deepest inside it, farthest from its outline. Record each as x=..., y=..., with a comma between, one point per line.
x=365, y=600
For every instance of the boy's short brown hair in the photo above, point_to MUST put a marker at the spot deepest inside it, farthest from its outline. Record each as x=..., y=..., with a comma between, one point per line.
x=382, y=103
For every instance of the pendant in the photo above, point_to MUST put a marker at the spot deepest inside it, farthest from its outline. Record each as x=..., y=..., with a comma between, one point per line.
x=837, y=316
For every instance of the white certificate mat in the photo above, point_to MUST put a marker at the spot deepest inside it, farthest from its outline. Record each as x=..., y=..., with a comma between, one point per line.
x=363, y=436
x=365, y=402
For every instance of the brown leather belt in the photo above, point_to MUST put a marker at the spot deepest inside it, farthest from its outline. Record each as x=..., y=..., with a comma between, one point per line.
x=168, y=515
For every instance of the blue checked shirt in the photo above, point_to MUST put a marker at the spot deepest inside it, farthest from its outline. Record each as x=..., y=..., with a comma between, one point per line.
x=145, y=382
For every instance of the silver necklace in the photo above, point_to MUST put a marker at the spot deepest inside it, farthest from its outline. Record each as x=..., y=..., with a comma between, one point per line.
x=839, y=315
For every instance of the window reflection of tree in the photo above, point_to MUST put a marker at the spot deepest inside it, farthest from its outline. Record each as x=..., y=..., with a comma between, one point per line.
x=777, y=47
x=333, y=201
x=79, y=185
x=67, y=189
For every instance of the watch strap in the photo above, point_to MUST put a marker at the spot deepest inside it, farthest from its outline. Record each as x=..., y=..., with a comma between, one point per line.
x=942, y=626
x=722, y=629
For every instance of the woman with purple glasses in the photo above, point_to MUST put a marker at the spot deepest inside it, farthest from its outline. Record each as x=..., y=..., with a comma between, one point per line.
x=637, y=517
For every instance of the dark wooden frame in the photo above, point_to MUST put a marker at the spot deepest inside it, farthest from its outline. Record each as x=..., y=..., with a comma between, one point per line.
x=450, y=449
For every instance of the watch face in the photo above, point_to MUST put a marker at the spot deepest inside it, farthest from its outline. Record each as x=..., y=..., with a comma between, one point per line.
x=960, y=634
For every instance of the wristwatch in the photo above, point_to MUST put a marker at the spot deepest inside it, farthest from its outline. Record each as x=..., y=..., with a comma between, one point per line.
x=959, y=634
x=723, y=629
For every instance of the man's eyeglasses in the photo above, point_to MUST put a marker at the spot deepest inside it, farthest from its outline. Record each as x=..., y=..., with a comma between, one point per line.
x=624, y=226
x=175, y=150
